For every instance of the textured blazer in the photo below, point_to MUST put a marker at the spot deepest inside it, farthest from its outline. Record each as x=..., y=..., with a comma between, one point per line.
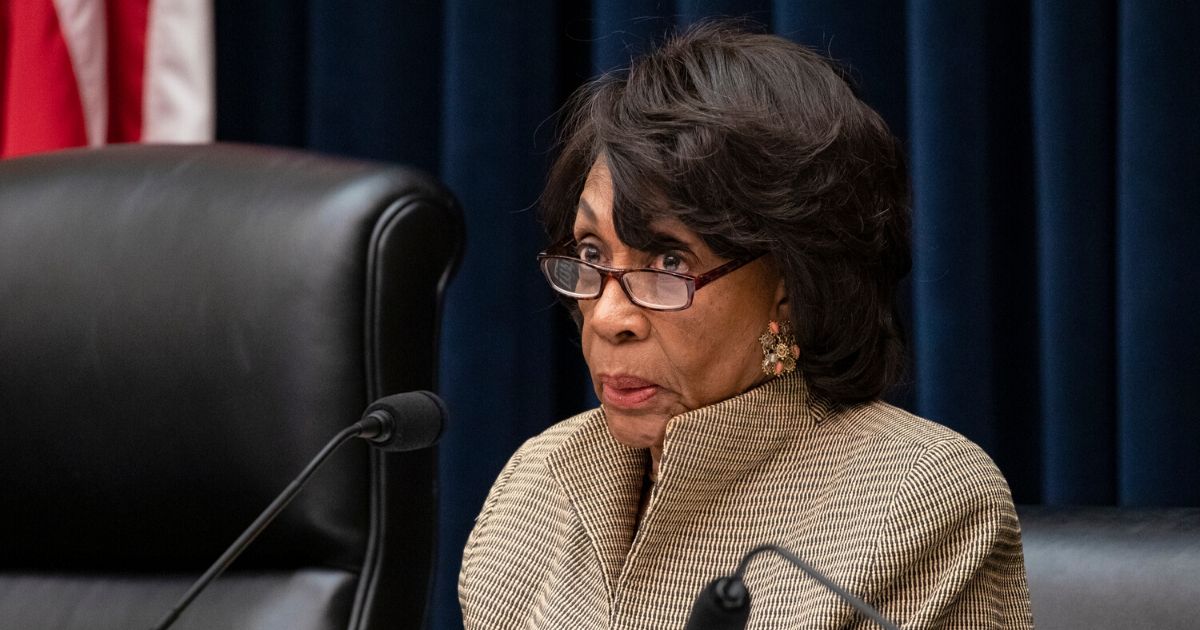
x=908, y=515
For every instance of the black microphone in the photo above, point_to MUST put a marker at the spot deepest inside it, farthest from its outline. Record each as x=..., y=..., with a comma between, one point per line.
x=423, y=413
x=400, y=422
x=725, y=603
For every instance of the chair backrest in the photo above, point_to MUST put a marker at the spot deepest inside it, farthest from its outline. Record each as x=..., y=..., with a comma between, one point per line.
x=181, y=329
x=1113, y=568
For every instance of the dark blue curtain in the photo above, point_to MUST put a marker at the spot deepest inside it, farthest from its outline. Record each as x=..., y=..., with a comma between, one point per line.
x=1054, y=149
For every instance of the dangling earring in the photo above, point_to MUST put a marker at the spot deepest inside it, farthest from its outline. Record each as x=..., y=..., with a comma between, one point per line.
x=779, y=349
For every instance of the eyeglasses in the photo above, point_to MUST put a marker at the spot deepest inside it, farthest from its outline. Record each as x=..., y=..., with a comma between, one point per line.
x=655, y=289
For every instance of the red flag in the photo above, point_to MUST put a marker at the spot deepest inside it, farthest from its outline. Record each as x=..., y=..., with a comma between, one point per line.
x=87, y=72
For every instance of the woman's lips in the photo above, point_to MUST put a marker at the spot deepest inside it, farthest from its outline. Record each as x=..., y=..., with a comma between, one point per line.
x=626, y=392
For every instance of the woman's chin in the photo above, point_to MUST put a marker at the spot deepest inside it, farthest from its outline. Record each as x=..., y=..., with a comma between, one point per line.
x=636, y=431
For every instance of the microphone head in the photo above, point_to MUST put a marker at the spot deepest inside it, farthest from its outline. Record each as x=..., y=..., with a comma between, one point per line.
x=416, y=420
x=723, y=605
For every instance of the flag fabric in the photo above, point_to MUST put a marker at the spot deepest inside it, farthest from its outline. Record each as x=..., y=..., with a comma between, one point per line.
x=90, y=72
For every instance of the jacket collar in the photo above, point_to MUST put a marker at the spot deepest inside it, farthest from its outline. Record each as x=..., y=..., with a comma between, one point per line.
x=704, y=452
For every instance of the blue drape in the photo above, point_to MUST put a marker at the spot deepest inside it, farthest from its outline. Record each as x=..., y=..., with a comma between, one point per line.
x=1074, y=116
x=1054, y=149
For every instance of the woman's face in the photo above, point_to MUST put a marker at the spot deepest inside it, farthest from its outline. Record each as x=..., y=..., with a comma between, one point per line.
x=648, y=366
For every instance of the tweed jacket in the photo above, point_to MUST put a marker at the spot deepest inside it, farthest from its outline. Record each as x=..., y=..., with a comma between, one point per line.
x=910, y=516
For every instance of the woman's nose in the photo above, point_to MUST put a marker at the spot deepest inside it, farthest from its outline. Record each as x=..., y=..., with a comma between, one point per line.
x=614, y=317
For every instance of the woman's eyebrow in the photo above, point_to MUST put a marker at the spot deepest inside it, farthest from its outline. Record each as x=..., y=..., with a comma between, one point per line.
x=662, y=241
x=586, y=210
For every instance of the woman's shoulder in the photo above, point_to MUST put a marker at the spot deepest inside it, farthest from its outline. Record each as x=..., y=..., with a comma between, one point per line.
x=553, y=437
x=930, y=453
x=937, y=512
x=889, y=422
x=527, y=468
x=530, y=458
x=904, y=430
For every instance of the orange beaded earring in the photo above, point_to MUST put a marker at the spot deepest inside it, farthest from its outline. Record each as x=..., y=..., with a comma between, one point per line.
x=779, y=349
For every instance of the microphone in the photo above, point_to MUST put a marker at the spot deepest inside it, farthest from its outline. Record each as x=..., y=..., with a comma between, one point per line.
x=400, y=422
x=725, y=603
x=424, y=414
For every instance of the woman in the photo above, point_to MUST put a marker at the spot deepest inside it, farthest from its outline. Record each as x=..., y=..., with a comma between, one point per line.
x=729, y=224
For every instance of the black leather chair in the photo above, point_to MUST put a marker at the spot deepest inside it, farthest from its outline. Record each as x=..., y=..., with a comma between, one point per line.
x=181, y=330
x=1113, y=568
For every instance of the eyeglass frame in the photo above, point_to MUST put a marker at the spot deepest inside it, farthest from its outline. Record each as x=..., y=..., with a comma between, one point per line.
x=694, y=282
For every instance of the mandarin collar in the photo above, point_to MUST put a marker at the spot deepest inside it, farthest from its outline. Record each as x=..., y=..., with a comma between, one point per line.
x=704, y=451
x=707, y=450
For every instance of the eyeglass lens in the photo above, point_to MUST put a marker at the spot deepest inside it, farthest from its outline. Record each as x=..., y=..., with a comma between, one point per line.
x=657, y=290
x=647, y=288
x=570, y=278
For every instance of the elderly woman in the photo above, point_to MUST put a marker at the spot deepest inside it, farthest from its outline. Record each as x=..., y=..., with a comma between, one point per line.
x=729, y=224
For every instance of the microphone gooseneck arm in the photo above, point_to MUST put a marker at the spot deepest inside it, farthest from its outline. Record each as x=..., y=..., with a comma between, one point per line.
x=369, y=427
x=812, y=572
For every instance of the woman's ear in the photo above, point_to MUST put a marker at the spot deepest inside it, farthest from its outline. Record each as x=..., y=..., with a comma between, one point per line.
x=783, y=310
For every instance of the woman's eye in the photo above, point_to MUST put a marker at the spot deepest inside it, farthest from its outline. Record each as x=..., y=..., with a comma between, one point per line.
x=672, y=262
x=588, y=253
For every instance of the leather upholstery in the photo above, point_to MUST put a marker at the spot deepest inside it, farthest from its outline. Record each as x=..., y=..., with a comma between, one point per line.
x=181, y=330
x=295, y=600
x=1101, y=568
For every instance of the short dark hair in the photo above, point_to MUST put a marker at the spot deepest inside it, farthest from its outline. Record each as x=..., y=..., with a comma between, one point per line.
x=758, y=144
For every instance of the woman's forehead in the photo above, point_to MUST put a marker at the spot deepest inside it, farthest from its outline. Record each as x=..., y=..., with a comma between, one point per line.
x=594, y=212
x=661, y=233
